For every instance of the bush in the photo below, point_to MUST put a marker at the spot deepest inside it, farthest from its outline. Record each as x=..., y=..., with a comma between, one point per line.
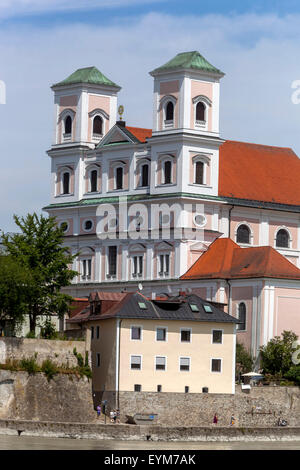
x=294, y=374
x=244, y=360
x=49, y=369
x=83, y=365
x=48, y=330
x=30, y=334
x=30, y=365
x=276, y=356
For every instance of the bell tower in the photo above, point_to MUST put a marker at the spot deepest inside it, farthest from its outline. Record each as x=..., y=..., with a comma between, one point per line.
x=186, y=95
x=85, y=107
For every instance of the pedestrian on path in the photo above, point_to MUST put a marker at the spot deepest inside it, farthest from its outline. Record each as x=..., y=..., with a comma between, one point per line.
x=215, y=421
x=98, y=411
x=232, y=420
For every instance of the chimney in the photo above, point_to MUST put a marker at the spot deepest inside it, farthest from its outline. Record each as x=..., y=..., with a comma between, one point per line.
x=153, y=296
x=121, y=123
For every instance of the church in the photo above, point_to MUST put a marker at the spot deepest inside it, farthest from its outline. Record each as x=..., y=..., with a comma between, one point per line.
x=176, y=208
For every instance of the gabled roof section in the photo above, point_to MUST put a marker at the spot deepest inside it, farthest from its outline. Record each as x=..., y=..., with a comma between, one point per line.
x=87, y=75
x=121, y=134
x=259, y=173
x=188, y=60
x=224, y=259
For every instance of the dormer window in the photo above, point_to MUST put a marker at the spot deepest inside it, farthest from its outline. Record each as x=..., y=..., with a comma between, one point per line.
x=97, y=127
x=66, y=183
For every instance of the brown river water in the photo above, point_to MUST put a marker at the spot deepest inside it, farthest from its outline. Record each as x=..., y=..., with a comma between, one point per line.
x=50, y=443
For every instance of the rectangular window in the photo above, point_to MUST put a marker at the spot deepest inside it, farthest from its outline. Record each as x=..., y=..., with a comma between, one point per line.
x=161, y=334
x=185, y=363
x=136, y=362
x=137, y=266
x=216, y=365
x=217, y=336
x=86, y=269
x=97, y=332
x=145, y=175
x=160, y=363
x=98, y=359
x=185, y=336
x=92, y=332
x=199, y=173
x=186, y=389
x=164, y=265
x=112, y=260
x=137, y=388
x=119, y=178
x=136, y=332
x=159, y=388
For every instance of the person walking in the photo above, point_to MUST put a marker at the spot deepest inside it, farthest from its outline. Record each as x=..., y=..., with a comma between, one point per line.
x=232, y=420
x=215, y=420
x=98, y=411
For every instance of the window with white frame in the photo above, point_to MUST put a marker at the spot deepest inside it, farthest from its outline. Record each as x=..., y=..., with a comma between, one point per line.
x=136, y=362
x=93, y=186
x=161, y=334
x=169, y=114
x=184, y=364
x=167, y=172
x=66, y=182
x=216, y=365
x=201, y=105
x=164, y=265
x=97, y=127
x=217, y=336
x=160, y=363
x=144, y=178
x=199, y=172
x=119, y=177
x=200, y=112
x=67, y=128
x=282, y=238
x=137, y=266
x=136, y=333
x=185, y=335
x=243, y=234
x=86, y=269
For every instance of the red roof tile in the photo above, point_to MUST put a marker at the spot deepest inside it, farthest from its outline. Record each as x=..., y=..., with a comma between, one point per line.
x=224, y=259
x=259, y=172
x=140, y=133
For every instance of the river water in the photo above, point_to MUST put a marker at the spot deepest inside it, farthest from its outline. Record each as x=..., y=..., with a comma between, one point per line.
x=50, y=443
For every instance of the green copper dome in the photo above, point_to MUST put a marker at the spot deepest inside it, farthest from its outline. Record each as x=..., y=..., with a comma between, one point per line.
x=188, y=60
x=87, y=75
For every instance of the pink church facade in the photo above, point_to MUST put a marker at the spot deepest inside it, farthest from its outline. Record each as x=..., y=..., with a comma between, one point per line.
x=182, y=167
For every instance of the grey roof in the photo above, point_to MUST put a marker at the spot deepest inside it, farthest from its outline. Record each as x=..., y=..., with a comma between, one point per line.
x=176, y=308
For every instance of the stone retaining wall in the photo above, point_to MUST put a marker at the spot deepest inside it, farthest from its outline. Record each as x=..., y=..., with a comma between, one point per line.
x=60, y=352
x=143, y=433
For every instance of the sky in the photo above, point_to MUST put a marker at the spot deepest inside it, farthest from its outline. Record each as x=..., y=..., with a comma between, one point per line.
x=256, y=44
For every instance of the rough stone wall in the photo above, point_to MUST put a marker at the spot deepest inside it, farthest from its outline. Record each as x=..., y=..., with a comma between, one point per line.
x=32, y=397
x=60, y=352
x=194, y=409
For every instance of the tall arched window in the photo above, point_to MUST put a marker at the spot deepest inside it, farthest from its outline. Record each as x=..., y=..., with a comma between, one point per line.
x=97, y=125
x=243, y=234
x=93, y=180
x=200, y=111
x=282, y=239
x=145, y=175
x=66, y=183
x=68, y=125
x=199, y=173
x=167, y=172
x=119, y=178
x=241, y=317
x=169, y=111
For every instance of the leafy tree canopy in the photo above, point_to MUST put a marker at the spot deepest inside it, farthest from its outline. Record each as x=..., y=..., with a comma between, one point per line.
x=276, y=356
x=39, y=251
x=244, y=360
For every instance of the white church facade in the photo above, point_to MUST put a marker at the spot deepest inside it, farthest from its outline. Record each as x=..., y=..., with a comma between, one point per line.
x=141, y=207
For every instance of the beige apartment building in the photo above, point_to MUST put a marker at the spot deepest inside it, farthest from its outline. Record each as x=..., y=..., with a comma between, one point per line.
x=166, y=345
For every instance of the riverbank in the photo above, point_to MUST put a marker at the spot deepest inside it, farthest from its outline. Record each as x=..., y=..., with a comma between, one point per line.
x=146, y=433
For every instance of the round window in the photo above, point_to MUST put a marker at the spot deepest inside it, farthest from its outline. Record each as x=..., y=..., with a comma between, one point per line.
x=200, y=220
x=88, y=225
x=64, y=226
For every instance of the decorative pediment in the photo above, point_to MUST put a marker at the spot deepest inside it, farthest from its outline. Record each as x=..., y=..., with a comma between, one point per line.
x=116, y=135
x=163, y=246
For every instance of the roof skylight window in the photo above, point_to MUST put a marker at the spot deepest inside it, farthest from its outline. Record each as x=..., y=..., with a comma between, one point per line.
x=207, y=308
x=194, y=308
x=142, y=305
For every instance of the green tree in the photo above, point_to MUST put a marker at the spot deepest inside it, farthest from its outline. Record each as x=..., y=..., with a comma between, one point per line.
x=276, y=356
x=38, y=249
x=244, y=360
x=13, y=282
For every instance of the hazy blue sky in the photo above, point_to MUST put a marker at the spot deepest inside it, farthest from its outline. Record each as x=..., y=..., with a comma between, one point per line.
x=256, y=43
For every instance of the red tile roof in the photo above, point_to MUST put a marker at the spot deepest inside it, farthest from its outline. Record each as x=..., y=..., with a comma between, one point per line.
x=259, y=172
x=224, y=259
x=140, y=133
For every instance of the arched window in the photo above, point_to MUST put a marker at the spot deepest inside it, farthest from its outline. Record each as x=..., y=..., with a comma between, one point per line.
x=200, y=111
x=242, y=317
x=66, y=183
x=145, y=175
x=167, y=172
x=282, y=239
x=199, y=173
x=119, y=178
x=93, y=180
x=169, y=111
x=243, y=234
x=68, y=125
x=97, y=125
